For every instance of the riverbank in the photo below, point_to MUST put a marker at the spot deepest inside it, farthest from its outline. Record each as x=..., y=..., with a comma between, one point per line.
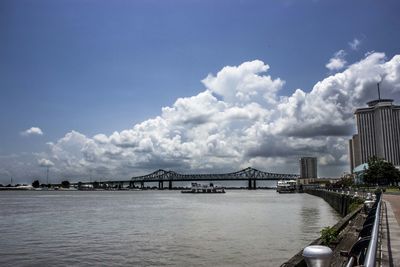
x=346, y=227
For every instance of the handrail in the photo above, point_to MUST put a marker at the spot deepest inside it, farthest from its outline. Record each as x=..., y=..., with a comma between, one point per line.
x=370, y=258
x=350, y=263
x=365, y=249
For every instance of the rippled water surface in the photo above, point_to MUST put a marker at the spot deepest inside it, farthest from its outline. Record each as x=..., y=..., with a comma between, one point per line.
x=157, y=228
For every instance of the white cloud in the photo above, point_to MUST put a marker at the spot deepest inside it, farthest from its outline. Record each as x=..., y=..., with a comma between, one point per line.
x=32, y=131
x=337, y=62
x=355, y=44
x=244, y=83
x=238, y=120
x=45, y=163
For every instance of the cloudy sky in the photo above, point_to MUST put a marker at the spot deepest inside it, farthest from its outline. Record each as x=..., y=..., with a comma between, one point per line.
x=113, y=89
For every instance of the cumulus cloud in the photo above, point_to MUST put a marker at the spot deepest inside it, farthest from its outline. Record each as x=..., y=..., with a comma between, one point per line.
x=355, y=44
x=45, y=163
x=240, y=119
x=337, y=62
x=32, y=131
x=244, y=83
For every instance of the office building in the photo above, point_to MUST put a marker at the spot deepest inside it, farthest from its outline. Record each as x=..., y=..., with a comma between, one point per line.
x=308, y=167
x=378, y=133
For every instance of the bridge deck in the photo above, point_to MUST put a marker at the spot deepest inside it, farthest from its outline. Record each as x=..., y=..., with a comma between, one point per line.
x=245, y=174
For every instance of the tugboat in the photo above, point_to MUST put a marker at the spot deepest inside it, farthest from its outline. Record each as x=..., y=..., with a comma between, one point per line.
x=286, y=186
x=204, y=189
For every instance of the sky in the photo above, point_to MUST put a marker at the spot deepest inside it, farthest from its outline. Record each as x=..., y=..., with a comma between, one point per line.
x=114, y=89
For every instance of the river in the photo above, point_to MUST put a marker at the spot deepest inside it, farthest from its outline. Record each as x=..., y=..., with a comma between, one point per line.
x=157, y=228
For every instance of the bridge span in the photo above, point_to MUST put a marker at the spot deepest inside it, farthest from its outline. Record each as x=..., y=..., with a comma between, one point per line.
x=249, y=174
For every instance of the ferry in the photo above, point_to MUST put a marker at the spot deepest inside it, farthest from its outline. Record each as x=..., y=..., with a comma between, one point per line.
x=204, y=188
x=286, y=186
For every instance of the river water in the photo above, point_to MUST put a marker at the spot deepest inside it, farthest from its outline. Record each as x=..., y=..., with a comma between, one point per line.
x=157, y=228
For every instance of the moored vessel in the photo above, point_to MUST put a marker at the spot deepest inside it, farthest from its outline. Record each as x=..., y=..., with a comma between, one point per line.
x=204, y=188
x=286, y=186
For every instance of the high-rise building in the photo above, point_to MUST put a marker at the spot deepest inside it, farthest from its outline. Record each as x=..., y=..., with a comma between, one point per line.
x=308, y=167
x=378, y=127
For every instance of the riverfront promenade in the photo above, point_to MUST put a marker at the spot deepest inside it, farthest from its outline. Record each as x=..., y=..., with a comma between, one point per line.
x=390, y=227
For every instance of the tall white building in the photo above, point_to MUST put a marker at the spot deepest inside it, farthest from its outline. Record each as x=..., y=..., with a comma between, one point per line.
x=378, y=127
x=308, y=167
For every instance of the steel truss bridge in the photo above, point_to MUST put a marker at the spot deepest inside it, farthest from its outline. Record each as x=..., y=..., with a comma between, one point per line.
x=249, y=174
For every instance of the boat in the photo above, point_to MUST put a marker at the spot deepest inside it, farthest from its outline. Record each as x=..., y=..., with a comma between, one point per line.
x=286, y=186
x=204, y=189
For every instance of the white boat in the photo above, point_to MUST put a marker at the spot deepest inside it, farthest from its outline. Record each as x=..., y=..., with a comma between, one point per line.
x=286, y=186
x=204, y=188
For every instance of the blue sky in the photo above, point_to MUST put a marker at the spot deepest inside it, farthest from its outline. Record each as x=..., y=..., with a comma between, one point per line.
x=96, y=67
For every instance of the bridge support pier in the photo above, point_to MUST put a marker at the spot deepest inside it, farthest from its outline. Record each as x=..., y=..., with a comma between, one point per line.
x=170, y=185
x=160, y=185
x=141, y=185
x=252, y=184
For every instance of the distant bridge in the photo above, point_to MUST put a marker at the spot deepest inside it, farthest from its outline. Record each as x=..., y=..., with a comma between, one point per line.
x=249, y=174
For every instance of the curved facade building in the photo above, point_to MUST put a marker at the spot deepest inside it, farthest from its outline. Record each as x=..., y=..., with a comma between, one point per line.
x=378, y=127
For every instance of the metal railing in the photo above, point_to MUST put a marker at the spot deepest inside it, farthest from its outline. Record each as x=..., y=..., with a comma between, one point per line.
x=364, y=251
x=370, y=259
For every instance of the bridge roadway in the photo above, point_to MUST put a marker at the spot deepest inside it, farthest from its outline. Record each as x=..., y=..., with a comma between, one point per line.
x=249, y=174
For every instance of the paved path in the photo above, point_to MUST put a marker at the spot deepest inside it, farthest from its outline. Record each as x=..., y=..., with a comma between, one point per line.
x=390, y=242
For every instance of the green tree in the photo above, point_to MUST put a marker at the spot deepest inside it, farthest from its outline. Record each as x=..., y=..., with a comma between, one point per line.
x=65, y=184
x=35, y=184
x=381, y=172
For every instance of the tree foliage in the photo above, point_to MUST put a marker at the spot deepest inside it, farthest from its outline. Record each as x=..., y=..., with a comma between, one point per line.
x=381, y=172
x=96, y=184
x=65, y=184
x=35, y=184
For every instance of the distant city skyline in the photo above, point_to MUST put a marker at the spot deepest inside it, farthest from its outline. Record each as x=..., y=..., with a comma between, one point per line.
x=114, y=89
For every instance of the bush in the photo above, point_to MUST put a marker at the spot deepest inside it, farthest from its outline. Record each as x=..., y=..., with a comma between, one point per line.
x=328, y=235
x=353, y=206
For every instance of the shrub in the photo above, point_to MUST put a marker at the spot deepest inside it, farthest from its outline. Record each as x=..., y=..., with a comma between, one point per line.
x=328, y=235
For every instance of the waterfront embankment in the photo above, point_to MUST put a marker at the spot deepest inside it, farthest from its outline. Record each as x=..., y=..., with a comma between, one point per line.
x=342, y=203
x=346, y=227
x=388, y=252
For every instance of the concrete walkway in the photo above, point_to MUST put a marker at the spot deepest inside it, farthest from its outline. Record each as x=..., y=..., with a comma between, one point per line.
x=390, y=229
